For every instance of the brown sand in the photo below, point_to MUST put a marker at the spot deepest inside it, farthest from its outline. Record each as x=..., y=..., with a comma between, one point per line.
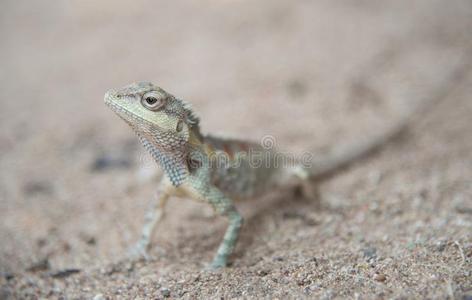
x=314, y=74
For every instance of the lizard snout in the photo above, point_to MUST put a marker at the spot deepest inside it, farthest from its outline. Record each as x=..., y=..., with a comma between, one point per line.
x=109, y=95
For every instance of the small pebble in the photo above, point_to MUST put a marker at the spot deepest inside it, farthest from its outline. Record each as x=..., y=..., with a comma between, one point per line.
x=463, y=209
x=38, y=187
x=278, y=258
x=165, y=292
x=41, y=265
x=88, y=239
x=64, y=273
x=370, y=253
x=99, y=297
x=441, y=246
x=262, y=273
x=7, y=275
x=107, y=162
x=380, y=277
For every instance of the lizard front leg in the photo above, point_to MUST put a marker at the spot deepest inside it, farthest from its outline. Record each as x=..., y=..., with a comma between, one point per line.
x=230, y=238
x=223, y=206
x=153, y=216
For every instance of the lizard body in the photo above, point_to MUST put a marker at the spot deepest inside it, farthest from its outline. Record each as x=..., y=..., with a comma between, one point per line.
x=207, y=168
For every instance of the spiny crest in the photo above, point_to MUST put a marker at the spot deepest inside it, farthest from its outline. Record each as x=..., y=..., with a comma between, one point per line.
x=192, y=118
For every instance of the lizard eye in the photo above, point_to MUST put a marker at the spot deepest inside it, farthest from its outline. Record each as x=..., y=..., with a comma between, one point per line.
x=152, y=101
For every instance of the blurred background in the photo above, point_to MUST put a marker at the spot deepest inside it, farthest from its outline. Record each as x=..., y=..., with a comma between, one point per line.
x=314, y=74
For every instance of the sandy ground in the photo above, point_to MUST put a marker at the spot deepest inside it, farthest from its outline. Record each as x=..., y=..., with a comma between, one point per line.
x=316, y=75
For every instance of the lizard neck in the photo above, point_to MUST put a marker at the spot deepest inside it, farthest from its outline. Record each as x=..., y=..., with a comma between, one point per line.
x=196, y=143
x=170, y=151
x=195, y=138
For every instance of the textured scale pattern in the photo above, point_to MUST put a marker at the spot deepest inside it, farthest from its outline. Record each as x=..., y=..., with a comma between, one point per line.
x=174, y=167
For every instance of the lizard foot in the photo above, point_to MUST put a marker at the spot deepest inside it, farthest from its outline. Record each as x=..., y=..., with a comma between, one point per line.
x=216, y=264
x=138, y=252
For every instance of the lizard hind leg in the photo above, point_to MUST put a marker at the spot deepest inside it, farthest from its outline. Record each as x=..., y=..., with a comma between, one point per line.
x=308, y=190
x=304, y=186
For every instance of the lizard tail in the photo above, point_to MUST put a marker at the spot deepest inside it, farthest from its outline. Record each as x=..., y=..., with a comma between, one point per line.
x=342, y=158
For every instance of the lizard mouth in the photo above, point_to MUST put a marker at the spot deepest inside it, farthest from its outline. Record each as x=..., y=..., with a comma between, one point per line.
x=124, y=113
x=111, y=100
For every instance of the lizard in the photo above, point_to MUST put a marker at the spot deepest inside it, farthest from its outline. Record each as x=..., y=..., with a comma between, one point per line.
x=169, y=130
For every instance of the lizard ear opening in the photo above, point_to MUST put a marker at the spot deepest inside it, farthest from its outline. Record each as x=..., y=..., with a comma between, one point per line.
x=180, y=126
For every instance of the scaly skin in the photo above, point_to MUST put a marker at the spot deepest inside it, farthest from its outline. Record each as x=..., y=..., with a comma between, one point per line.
x=169, y=130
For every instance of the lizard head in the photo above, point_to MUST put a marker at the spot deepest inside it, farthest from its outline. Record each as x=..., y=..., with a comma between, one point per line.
x=148, y=108
x=163, y=123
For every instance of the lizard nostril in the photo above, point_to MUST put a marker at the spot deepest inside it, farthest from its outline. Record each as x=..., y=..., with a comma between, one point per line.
x=111, y=94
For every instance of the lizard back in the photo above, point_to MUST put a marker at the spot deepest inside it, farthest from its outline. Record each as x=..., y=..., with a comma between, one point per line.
x=241, y=169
